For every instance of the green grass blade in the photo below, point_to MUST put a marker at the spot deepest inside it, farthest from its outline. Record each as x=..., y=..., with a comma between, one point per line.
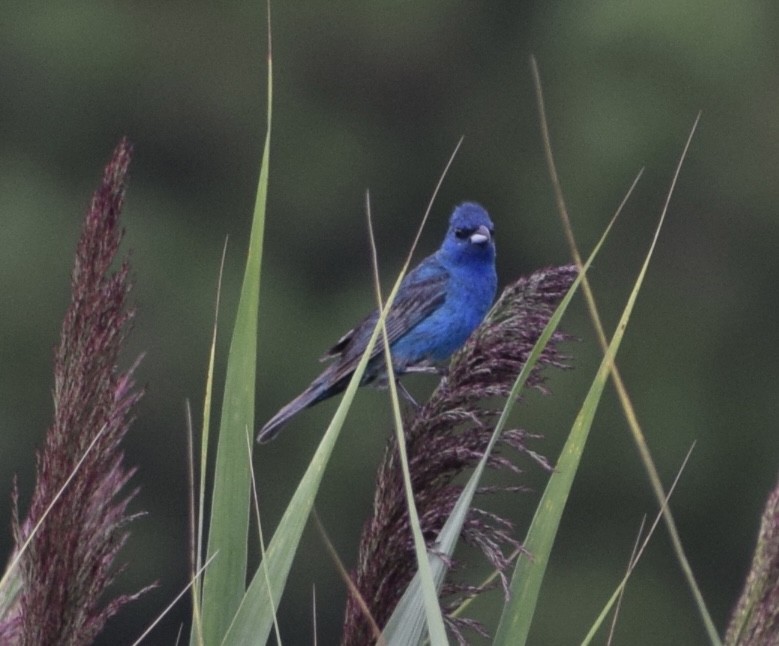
x=197, y=622
x=529, y=573
x=224, y=581
x=627, y=405
x=614, y=599
x=254, y=620
x=255, y=617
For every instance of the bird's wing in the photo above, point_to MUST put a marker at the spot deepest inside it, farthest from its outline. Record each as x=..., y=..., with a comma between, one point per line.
x=415, y=304
x=422, y=292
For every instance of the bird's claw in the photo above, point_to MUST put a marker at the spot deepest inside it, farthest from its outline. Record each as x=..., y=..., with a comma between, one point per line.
x=406, y=394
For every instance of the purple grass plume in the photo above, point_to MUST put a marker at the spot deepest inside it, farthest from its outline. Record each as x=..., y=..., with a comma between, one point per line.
x=755, y=620
x=69, y=562
x=447, y=436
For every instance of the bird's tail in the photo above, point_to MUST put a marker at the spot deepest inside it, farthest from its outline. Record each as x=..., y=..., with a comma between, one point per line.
x=320, y=389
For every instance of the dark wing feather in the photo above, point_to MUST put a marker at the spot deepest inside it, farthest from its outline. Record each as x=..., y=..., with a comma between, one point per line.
x=341, y=344
x=418, y=297
x=413, y=306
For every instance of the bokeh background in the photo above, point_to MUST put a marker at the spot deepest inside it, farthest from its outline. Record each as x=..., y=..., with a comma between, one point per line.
x=373, y=95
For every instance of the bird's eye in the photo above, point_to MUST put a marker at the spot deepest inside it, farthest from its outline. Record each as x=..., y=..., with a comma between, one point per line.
x=461, y=234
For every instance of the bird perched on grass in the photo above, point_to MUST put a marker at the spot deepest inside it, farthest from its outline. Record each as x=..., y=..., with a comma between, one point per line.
x=438, y=305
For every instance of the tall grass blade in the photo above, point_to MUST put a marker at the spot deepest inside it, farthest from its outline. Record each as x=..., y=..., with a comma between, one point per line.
x=254, y=619
x=261, y=536
x=634, y=559
x=529, y=573
x=197, y=621
x=224, y=581
x=625, y=401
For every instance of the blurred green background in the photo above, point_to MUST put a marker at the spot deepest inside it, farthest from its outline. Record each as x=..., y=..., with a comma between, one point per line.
x=375, y=95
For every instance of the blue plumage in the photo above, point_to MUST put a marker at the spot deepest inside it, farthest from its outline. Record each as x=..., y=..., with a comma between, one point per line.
x=438, y=305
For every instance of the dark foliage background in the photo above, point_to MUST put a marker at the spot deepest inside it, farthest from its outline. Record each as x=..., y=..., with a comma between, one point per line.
x=375, y=95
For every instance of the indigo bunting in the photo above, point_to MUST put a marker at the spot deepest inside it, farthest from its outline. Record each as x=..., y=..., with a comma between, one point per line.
x=438, y=305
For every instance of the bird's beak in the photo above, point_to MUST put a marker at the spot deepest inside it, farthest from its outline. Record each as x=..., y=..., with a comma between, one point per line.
x=481, y=235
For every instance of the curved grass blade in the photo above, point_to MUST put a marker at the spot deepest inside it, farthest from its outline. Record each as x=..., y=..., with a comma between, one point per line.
x=197, y=622
x=529, y=573
x=625, y=401
x=224, y=581
x=634, y=559
x=253, y=620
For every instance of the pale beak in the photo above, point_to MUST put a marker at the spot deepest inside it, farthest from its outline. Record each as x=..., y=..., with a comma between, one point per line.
x=481, y=235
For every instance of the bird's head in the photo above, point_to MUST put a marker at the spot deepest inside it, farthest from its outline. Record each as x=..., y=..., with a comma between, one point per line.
x=471, y=235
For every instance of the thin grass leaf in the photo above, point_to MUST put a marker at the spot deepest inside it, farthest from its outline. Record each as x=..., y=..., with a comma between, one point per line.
x=529, y=573
x=430, y=597
x=253, y=621
x=626, y=403
x=617, y=595
x=11, y=581
x=632, y=561
x=171, y=605
x=261, y=535
x=197, y=621
x=347, y=580
x=224, y=581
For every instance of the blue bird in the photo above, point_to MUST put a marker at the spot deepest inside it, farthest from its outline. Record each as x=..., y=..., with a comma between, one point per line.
x=438, y=305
